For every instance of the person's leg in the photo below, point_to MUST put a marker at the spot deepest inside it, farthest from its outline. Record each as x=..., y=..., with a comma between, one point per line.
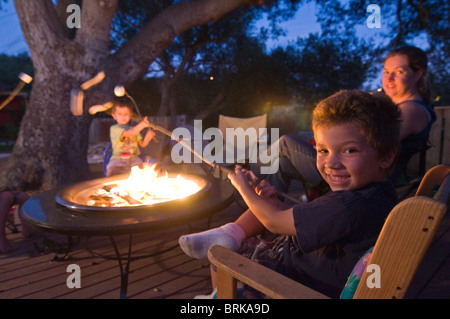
x=6, y=201
x=229, y=235
x=19, y=199
x=114, y=170
x=297, y=160
x=251, y=226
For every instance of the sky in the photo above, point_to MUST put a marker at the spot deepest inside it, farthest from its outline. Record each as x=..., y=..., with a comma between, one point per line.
x=12, y=41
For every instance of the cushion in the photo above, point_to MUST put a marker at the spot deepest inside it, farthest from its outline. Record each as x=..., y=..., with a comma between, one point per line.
x=355, y=276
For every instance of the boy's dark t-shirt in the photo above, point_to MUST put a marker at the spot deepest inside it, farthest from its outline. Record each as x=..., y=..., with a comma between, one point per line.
x=333, y=232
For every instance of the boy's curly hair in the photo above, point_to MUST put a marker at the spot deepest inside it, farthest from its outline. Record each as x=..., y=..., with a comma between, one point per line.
x=374, y=113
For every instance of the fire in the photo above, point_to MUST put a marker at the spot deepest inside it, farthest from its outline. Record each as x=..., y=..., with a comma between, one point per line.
x=145, y=186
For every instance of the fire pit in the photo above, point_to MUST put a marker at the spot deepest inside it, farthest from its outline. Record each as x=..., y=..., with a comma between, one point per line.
x=144, y=188
x=71, y=214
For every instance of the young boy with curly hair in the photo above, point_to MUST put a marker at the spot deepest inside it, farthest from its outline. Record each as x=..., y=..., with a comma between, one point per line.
x=357, y=139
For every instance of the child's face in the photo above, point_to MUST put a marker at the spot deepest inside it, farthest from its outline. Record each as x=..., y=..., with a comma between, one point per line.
x=122, y=115
x=344, y=158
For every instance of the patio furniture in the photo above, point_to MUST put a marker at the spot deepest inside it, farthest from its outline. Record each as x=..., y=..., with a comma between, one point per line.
x=399, y=250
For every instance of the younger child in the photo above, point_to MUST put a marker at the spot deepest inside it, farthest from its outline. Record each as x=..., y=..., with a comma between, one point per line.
x=357, y=138
x=126, y=139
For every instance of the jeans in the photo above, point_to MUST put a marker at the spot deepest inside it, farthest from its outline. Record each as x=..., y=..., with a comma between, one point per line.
x=296, y=160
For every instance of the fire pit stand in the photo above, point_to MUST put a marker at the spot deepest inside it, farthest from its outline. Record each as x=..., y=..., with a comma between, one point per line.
x=45, y=213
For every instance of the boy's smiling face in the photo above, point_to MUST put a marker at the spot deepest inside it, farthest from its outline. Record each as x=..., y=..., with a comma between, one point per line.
x=345, y=160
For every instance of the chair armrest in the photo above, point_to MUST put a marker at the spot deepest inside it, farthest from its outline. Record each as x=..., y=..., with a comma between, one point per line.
x=232, y=267
x=434, y=176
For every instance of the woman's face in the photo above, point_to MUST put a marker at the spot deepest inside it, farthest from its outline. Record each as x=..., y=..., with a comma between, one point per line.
x=399, y=80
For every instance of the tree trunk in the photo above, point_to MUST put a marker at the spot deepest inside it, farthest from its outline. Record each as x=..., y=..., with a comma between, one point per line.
x=51, y=149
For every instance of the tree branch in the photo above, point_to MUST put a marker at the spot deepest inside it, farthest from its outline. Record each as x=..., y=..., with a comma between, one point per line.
x=61, y=12
x=398, y=38
x=215, y=106
x=139, y=52
x=96, y=19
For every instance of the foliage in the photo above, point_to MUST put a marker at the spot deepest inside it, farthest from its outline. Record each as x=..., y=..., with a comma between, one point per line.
x=11, y=67
x=251, y=80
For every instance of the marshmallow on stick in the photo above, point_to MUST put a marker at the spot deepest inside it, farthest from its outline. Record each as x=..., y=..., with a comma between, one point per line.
x=24, y=79
x=100, y=108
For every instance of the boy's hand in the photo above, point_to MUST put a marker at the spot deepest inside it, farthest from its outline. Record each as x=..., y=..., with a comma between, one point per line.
x=239, y=180
x=245, y=178
x=262, y=188
x=145, y=121
x=251, y=177
x=149, y=135
x=265, y=189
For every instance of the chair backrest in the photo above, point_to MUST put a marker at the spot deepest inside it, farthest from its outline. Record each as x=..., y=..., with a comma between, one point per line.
x=243, y=146
x=405, y=238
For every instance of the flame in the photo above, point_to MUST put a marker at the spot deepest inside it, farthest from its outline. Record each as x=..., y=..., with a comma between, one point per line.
x=148, y=185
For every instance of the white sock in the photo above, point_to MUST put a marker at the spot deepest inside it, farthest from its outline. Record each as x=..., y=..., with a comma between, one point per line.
x=196, y=245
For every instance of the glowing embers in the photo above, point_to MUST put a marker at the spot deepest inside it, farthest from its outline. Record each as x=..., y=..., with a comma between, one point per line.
x=144, y=186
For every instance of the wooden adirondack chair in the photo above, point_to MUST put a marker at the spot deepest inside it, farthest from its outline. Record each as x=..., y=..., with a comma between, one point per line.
x=399, y=250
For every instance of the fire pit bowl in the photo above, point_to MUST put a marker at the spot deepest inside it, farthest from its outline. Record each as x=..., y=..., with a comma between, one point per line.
x=77, y=196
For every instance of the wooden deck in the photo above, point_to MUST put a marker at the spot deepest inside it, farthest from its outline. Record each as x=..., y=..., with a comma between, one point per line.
x=30, y=271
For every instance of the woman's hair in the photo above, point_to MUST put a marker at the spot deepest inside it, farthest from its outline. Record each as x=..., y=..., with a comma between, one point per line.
x=417, y=60
x=377, y=117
